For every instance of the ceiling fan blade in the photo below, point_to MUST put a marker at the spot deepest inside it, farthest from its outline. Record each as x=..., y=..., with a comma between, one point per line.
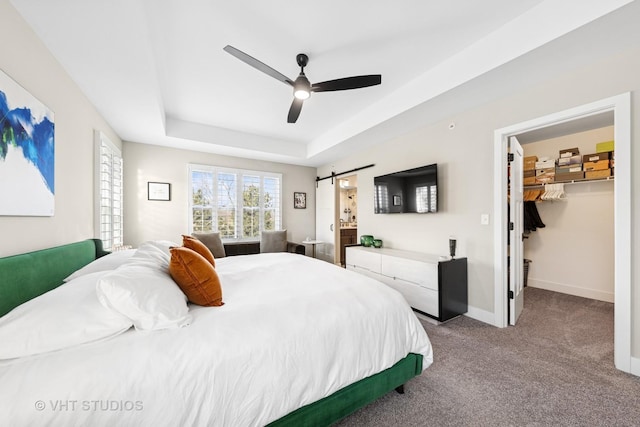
x=257, y=64
x=347, y=83
x=294, y=110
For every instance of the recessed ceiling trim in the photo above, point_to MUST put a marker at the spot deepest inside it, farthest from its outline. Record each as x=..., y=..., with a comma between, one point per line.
x=225, y=137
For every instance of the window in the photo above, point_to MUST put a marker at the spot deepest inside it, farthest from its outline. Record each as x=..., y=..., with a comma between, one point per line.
x=381, y=199
x=426, y=198
x=237, y=203
x=108, y=194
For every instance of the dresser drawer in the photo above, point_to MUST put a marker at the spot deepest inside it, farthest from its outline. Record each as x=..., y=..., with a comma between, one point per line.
x=420, y=273
x=363, y=259
x=363, y=271
x=418, y=297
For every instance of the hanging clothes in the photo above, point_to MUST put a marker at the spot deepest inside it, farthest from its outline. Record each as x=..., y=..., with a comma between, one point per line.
x=532, y=220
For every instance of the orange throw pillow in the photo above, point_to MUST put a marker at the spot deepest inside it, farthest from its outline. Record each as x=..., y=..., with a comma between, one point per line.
x=196, y=245
x=196, y=277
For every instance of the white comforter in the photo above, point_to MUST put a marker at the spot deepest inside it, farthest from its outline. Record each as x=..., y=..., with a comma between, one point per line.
x=292, y=331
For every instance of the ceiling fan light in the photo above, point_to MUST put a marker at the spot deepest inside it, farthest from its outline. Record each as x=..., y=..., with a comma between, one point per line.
x=301, y=93
x=302, y=87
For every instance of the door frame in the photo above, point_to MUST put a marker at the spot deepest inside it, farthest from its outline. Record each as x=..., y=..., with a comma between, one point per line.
x=621, y=107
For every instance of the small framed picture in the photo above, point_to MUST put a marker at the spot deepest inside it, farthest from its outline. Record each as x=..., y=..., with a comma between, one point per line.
x=397, y=201
x=159, y=191
x=299, y=200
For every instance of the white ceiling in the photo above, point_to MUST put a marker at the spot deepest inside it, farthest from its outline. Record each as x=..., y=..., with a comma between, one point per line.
x=156, y=71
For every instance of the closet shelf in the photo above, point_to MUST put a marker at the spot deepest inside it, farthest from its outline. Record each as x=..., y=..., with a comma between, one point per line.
x=577, y=181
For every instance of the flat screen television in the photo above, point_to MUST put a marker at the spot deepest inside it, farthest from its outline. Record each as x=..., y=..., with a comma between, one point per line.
x=409, y=191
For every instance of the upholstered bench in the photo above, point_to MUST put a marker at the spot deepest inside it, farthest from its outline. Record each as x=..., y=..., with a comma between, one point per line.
x=270, y=241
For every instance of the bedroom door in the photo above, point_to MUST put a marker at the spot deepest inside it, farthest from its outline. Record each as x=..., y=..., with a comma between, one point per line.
x=516, y=279
x=326, y=219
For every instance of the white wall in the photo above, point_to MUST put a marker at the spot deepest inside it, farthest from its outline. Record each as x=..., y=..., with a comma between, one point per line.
x=465, y=161
x=151, y=220
x=579, y=230
x=464, y=179
x=25, y=59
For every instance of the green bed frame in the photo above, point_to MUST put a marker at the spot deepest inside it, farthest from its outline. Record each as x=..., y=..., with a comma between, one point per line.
x=26, y=276
x=347, y=400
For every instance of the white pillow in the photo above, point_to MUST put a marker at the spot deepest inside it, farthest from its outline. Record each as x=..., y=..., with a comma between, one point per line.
x=66, y=316
x=107, y=262
x=146, y=295
x=153, y=253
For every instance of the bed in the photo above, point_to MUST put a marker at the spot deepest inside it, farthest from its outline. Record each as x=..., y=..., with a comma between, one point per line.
x=297, y=342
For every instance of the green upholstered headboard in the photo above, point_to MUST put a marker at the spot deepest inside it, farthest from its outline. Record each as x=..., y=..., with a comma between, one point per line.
x=26, y=276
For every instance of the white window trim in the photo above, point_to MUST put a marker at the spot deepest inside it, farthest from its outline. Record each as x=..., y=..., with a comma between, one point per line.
x=239, y=209
x=115, y=241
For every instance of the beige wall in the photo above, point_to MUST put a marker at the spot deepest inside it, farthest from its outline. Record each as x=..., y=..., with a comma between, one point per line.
x=24, y=58
x=150, y=220
x=465, y=161
x=579, y=230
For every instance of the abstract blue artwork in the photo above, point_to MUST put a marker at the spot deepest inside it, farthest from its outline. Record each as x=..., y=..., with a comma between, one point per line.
x=27, y=144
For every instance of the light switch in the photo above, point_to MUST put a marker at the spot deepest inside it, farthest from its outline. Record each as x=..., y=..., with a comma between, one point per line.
x=484, y=219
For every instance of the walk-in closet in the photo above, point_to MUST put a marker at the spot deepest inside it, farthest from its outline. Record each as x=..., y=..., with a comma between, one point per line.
x=572, y=250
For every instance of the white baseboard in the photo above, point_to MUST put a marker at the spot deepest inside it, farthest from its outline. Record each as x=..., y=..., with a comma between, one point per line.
x=481, y=315
x=635, y=366
x=571, y=290
x=472, y=312
x=426, y=318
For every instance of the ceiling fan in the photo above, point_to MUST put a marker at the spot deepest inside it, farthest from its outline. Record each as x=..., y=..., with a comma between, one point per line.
x=301, y=87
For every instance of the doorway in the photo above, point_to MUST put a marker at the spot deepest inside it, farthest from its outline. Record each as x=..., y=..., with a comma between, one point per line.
x=347, y=212
x=621, y=107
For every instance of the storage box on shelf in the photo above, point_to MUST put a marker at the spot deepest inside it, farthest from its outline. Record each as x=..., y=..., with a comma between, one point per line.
x=598, y=174
x=595, y=166
x=569, y=176
x=568, y=169
x=545, y=176
x=545, y=179
x=572, y=160
x=569, y=156
x=529, y=163
x=431, y=285
x=569, y=152
x=545, y=164
x=596, y=157
x=601, y=147
x=546, y=172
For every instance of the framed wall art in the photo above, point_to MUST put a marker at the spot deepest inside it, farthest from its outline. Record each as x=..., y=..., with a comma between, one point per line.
x=27, y=147
x=299, y=200
x=159, y=191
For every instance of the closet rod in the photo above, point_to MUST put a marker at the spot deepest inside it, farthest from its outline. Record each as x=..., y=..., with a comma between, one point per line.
x=334, y=175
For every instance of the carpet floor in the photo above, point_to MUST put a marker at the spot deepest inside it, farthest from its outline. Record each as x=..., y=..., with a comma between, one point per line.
x=554, y=368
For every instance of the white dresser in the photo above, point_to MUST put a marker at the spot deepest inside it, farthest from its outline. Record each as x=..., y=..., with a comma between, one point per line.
x=433, y=286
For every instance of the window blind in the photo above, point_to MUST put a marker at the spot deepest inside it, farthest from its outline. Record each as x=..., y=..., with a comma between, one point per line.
x=109, y=203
